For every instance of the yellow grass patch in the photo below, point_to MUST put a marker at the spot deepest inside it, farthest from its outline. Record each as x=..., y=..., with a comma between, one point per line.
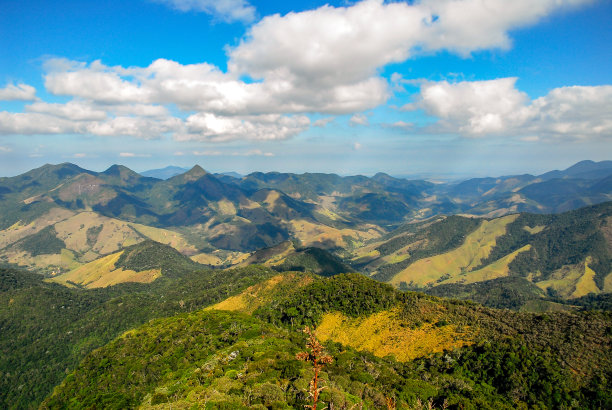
x=396, y=257
x=165, y=236
x=207, y=259
x=365, y=255
x=18, y=230
x=497, y=269
x=572, y=281
x=271, y=199
x=31, y=199
x=49, y=263
x=310, y=233
x=586, y=283
x=535, y=229
x=255, y=296
x=102, y=273
x=225, y=207
x=476, y=247
x=248, y=204
x=385, y=333
x=329, y=214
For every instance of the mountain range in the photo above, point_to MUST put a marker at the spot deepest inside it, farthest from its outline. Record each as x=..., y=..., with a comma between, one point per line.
x=123, y=290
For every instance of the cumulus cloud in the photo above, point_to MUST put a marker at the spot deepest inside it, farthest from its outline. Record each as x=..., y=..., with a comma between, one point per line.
x=207, y=153
x=358, y=119
x=209, y=127
x=401, y=124
x=133, y=155
x=226, y=10
x=251, y=153
x=19, y=92
x=497, y=107
x=138, y=127
x=95, y=82
x=35, y=123
x=300, y=63
x=73, y=110
x=323, y=122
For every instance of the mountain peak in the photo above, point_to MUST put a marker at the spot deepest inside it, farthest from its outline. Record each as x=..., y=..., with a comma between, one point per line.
x=117, y=170
x=194, y=173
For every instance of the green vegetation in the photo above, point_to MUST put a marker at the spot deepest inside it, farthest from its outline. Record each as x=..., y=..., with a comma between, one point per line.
x=439, y=237
x=92, y=234
x=154, y=255
x=218, y=359
x=352, y=294
x=48, y=328
x=44, y=242
x=153, y=344
x=315, y=260
x=502, y=293
x=567, y=239
x=357, y=296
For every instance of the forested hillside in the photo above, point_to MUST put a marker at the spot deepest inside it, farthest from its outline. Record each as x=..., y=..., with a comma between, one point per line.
x=224, y=359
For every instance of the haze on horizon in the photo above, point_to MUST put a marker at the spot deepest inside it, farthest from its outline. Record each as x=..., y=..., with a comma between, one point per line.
x=446, y=87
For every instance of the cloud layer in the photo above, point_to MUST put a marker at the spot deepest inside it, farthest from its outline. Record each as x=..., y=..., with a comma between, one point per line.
x=225, y=10
x=496, y=107
x=325, y=61
x=19, y=92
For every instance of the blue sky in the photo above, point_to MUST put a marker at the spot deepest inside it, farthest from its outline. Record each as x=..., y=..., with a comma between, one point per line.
x=431, y=87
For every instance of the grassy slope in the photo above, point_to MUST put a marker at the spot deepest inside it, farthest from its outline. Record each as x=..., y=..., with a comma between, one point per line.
x=474, y=249
x=85, y=235
x=103, y=272
x=258, y=295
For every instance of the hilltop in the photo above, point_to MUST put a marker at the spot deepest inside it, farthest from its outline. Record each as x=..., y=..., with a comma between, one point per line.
x=467, y=355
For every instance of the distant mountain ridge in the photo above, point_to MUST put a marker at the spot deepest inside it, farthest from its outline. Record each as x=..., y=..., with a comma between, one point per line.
x=164, y=173
x=220, y=219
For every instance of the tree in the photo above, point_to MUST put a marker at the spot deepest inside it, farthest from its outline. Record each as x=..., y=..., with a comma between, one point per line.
x=318, y=359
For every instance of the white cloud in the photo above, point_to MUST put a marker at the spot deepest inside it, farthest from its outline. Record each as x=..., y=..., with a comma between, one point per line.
x=133, y=155
x=468, y=25
x=253, y=153
x=95, y=82
x=475, y=108
x=207, y=153
x=358, y=119
x=19, y=92
x=79, y=155
x=73, y=110
x=401, y=124
x=300, y=63
x=5, y=149
x=35, y=123
x=226, y=10
x=496, y=107
x=209, y=127
x=323, y=122
x=138, y=127
x=357, y=146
